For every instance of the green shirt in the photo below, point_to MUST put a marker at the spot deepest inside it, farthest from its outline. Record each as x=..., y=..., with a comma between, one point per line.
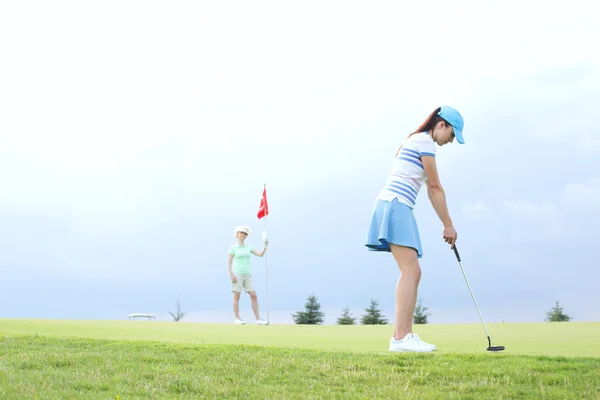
x=240, y=263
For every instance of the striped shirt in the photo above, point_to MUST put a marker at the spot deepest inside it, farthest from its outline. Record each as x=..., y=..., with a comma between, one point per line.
x=408, y=175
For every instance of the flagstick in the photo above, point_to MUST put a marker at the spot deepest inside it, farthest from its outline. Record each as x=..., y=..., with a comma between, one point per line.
x=267, y=264
x=267, y=267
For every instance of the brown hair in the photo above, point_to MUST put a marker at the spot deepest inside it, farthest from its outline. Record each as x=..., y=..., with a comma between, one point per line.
x=428, y=124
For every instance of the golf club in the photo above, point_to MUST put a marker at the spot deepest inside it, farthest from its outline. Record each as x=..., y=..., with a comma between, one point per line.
x=490, y=347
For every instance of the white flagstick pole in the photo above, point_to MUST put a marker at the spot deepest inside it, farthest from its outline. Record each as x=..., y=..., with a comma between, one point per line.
x=267, y=262
x=267, y=268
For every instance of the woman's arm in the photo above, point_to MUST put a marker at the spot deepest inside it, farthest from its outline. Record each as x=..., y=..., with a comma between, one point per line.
x=261, y=253
x=229, y=266
x=435, y=191
x=437, y=197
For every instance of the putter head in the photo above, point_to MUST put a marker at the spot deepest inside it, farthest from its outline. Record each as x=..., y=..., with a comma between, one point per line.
x=493, y=348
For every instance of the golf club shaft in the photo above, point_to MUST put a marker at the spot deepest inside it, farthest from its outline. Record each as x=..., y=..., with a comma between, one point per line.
x=471, y=291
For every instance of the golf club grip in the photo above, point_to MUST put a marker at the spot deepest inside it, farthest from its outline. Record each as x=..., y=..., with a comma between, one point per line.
x=456, y=252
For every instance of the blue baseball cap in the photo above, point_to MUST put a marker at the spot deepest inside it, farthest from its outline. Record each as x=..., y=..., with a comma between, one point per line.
x=455, y=119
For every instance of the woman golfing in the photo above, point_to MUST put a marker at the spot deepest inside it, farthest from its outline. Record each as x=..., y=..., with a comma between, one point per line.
x=393, y=227
x=239, y=272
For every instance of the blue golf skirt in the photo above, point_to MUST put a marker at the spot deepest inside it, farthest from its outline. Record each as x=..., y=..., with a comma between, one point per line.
x=393, y=223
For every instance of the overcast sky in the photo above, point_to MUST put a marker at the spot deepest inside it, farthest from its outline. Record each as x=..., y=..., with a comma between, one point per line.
x=136, y=135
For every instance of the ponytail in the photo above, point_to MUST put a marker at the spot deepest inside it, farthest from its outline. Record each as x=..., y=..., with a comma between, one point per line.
x=430, y=121
x=428, y=124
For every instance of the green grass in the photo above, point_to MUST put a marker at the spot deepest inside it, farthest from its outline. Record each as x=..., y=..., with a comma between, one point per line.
x=140, y=359
x=45, y=367
x=570, y=339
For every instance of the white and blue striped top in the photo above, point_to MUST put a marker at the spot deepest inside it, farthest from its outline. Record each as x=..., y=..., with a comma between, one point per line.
x=407, y=174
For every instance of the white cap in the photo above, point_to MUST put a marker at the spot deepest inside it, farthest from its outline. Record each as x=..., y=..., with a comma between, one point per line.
x=242, y=228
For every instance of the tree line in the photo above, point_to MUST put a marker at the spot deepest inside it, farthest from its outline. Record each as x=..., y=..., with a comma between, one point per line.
x=313, y=315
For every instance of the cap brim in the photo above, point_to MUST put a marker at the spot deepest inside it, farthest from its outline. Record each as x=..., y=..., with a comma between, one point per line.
x=459, y=136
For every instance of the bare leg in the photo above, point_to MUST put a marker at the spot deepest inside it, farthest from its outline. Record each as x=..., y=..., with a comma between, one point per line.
x=236, y=304
x=254, y=299
x=406, y=289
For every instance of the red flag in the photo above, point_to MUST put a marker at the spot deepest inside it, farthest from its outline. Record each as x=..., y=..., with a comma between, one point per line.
x=263, y=210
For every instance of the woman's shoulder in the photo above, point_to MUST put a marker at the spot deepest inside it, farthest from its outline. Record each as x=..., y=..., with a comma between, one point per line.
x=238, y=246
x=414, y=139
x=419, y=137
x=419, y=141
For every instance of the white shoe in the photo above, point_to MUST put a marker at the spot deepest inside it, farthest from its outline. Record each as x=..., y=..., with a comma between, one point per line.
x=261, y=321
x=239, y=322
x=410, y=343
x=423, y=343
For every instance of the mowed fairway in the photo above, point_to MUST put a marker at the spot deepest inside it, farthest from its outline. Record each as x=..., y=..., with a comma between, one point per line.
x=144, y=359
x=572, y=339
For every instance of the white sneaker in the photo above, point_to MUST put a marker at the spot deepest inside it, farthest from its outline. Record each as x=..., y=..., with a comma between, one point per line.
x=410, y=343
x=261, y=321
x=239, y=322
x=424, y=343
